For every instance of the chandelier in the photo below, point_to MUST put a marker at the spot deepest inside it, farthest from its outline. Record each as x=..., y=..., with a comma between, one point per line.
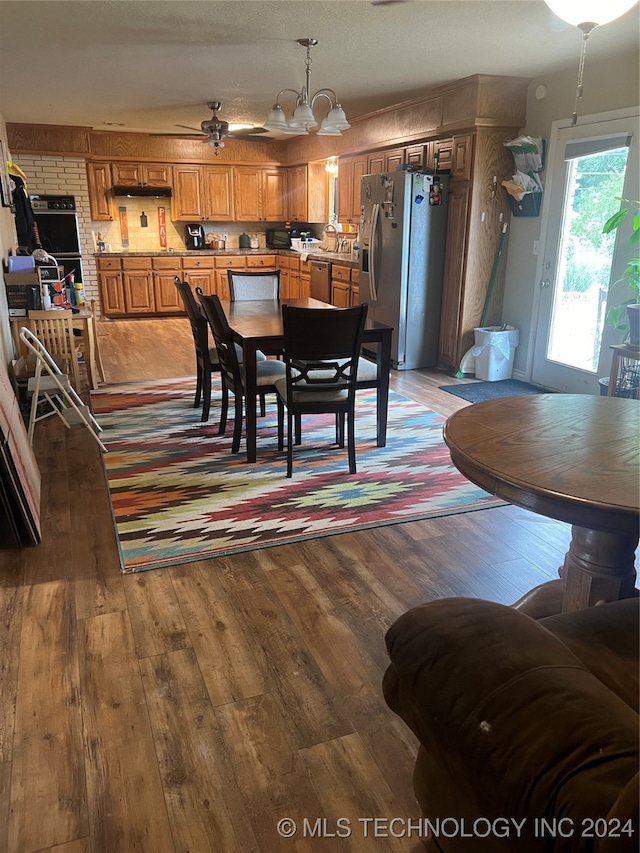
x=587, y=15
x=303, y=119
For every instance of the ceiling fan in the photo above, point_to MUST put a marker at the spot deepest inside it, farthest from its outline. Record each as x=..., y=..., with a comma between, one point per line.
x=215, y=130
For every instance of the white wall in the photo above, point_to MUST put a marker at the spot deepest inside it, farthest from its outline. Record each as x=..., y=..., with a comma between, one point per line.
x=608, y=86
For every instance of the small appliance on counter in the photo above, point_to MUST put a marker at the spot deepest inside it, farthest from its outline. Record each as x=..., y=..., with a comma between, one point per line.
x=194, y=238
x=278, y=238
x=244, y=241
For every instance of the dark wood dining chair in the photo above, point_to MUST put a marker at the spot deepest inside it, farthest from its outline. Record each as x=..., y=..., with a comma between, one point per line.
x=321, y=357
x=254, y=284
x=231, y=369
x=207, y=361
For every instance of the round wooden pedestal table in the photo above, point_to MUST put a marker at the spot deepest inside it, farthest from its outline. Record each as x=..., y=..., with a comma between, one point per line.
x=571, y=457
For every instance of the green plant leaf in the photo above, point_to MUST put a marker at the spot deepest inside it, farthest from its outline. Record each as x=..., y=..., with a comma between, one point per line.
x=615, y=221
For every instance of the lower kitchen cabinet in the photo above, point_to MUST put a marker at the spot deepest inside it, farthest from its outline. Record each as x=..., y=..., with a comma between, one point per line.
x=111, y=293
x=138, y=292
x=341, y=286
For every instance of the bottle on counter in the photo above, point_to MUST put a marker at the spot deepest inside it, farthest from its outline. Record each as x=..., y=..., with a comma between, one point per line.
x=46, y=296
x=255, y=243
x=80, y=298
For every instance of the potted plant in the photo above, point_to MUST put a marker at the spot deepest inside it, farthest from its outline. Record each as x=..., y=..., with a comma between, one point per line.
x=630, y=276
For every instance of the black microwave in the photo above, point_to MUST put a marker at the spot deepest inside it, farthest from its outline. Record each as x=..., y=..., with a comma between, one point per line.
x=278, y=238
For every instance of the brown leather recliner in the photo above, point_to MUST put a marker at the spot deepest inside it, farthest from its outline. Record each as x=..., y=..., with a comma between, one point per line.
x=528, y=729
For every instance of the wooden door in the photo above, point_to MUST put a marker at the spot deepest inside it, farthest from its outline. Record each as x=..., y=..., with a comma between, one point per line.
x=415, y=155
x=297, y=184
x=138, y=292
x=156, y=174
x=202, y=278
x=462, y=156
x=345, y=189
x=99, y=184
x=454, y=270
x=187, y=202
x=217, y=188
x=340, y=293
x=166, y=297
x=375, y=164
x=248, y=193
x=274, y=192
x=393, y=159
x=359, y=169
x=111, y=293
x=126, y=174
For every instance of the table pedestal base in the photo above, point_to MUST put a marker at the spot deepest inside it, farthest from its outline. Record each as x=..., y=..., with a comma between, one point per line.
x=598, y=567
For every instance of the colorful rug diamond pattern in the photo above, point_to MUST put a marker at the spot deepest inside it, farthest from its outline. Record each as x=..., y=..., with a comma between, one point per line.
x=179, y=494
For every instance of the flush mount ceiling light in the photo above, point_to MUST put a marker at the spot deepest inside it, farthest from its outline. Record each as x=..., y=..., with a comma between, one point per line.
x=303, y=119
x=587, y=15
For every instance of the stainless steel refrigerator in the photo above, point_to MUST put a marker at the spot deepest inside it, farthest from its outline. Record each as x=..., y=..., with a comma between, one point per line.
x=403, y=226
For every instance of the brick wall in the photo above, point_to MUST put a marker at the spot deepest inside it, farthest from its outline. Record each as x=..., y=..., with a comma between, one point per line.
x=66, y=176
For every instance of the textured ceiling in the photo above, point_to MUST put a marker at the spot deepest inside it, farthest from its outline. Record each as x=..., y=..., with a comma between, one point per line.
x=153, y=65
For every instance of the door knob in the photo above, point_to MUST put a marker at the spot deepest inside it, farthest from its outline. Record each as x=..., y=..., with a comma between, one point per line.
x=545, y=282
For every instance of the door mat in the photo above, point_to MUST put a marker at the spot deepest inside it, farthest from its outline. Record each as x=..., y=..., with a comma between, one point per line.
x=477, y=392
x=178, y=493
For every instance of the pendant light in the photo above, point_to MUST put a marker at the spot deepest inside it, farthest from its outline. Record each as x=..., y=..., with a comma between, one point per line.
x=303, y=118
x=587, y=15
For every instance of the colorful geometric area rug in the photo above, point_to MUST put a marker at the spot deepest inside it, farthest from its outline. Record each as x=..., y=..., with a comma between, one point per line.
x=179, y=494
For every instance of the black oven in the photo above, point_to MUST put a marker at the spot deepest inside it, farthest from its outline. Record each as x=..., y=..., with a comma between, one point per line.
x=56, y=223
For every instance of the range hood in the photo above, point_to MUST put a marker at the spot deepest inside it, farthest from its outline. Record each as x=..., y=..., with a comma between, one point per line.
x=153, y=192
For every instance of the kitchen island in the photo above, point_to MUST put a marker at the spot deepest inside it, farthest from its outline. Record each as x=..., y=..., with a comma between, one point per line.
x=141, y=284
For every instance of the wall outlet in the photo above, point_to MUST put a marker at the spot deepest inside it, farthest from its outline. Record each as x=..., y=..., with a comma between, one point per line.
x=225, y=237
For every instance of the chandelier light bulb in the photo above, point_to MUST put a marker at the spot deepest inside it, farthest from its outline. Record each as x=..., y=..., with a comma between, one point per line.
x=303, y=118
x=596, y=12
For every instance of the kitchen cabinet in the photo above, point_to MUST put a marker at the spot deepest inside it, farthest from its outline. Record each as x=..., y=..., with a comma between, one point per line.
x=199, y=271
x=222, y=264
x=474, y=226
x=202, y=193
x=99, y=185
x=141, y=174
x=381, y=162
x=305, y=279
x=341, y=286
x=260, y=194
x=137, y=280
x=416, y=155
x=350, y=172
x=308, y=193
x=267, y=262
x=165, y=294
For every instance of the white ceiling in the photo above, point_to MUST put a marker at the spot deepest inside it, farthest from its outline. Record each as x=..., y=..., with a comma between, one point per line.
x=152, y=65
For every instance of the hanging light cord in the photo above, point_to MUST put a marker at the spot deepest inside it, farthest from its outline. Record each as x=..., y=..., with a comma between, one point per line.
x=587, y=28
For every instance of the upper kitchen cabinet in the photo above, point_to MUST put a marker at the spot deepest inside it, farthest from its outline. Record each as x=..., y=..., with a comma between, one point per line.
x=308, y=193
x=99, y=183
x=350, y=172
x=260, y=194
x=141, y=174
x=202, y=193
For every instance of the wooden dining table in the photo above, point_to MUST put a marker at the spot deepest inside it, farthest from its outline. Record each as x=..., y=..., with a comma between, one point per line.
x=571, y=457
x=258, y=326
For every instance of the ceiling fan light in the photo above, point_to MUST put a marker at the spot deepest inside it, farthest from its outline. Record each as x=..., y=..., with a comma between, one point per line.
x=303, y=117
x=337, y=118
x=598, y=12
x=276, y=119
x=216, y=143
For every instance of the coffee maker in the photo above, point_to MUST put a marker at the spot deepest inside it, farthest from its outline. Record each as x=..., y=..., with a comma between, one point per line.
x=194, y=238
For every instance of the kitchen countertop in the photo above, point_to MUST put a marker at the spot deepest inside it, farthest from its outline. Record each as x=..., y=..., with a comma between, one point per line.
x=325, y=257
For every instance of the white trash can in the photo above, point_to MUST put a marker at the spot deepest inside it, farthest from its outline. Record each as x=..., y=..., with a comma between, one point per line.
x=494, y=352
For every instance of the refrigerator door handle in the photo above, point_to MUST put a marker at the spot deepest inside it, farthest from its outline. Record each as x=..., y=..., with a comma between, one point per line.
x=373, y=252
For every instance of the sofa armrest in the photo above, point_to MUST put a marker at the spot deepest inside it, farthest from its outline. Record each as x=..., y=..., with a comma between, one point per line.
x=507, y=710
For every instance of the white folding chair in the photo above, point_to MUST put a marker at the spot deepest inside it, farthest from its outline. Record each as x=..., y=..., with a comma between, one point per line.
x=53, y=386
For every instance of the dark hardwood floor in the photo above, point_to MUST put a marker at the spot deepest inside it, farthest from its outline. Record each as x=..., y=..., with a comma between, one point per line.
x=193, y=708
